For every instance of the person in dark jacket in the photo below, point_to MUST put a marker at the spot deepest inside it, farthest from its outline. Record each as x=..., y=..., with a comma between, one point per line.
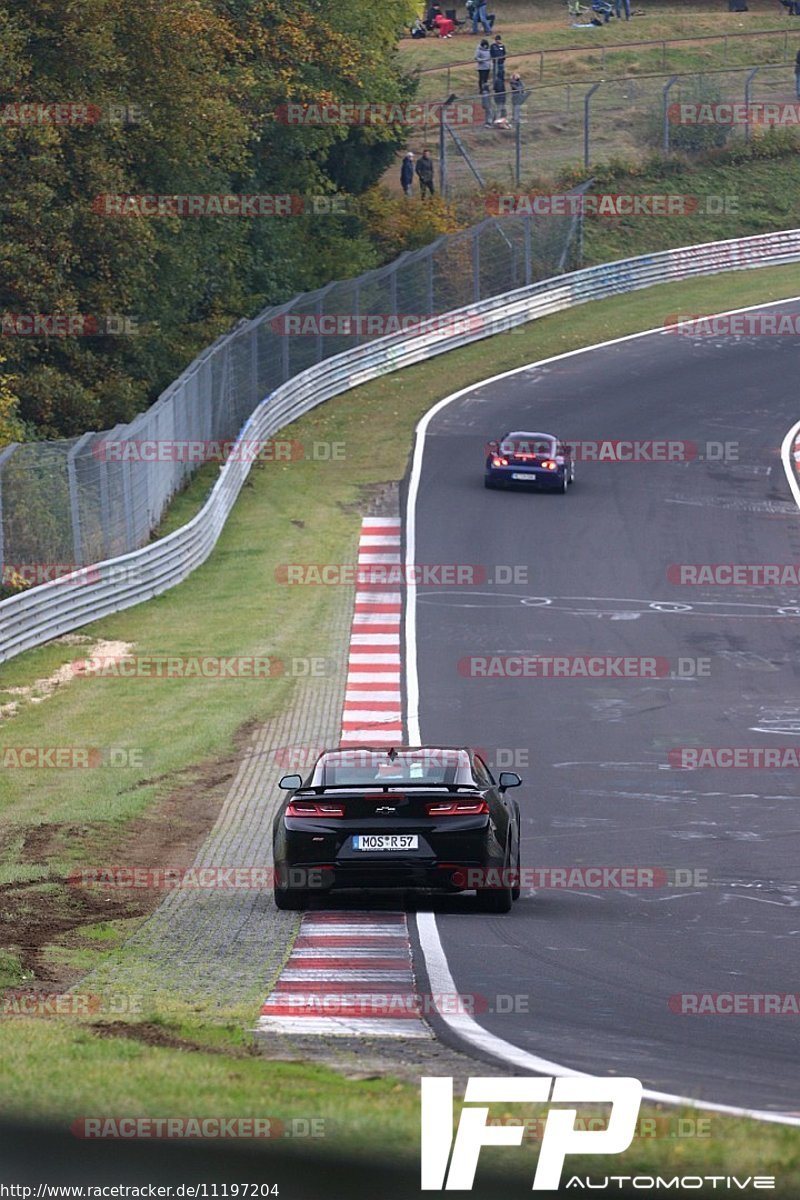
x=497, y=52
x=518, y=94
x=500, y=95
x=425, y=174
x=407, y=174
x=483, y=59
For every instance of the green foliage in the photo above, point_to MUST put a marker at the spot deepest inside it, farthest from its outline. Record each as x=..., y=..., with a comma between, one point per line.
x=203, y=81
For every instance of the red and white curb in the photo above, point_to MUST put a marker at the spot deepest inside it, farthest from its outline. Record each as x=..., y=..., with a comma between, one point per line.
x=349, y=975
x=373, y=709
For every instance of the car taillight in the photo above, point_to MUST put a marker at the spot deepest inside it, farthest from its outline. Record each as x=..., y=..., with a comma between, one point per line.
x=456, y=808
x=314, y=808
x=499, y=462
x=548, y=464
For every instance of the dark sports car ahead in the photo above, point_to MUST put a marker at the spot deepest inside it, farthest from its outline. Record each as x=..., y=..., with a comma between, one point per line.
x=406, y=817
x=522, y=459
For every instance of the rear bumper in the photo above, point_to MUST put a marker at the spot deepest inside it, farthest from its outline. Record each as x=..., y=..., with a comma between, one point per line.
x=544, y=480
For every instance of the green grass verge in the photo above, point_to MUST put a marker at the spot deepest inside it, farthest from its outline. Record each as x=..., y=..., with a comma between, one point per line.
x=53, y=1070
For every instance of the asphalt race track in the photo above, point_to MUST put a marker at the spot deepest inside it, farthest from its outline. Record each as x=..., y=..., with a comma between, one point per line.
x=596, y=968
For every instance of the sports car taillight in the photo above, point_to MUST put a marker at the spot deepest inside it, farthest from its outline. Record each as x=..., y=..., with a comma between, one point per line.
x=314, y=808
x=499, y=462
x=457, y=808
x=548, y=464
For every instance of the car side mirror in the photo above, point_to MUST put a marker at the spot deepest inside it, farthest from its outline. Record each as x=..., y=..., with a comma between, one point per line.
x=493, y=447
x=509, y=779
x=290, y=782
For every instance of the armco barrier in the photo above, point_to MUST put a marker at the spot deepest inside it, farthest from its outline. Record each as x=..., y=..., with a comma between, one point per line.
x=55, y=608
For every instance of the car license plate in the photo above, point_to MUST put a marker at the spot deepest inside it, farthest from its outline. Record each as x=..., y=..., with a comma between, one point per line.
x=527, y=475
x=385, y=841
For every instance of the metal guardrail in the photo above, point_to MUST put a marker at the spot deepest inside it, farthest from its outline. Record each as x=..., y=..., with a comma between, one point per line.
x=55, y=608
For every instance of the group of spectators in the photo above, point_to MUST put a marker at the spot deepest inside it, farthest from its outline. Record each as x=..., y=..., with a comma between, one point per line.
x=491, y=61
x=423, y=171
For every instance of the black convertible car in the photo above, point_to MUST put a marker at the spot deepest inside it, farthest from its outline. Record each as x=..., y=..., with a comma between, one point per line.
x=407, y=817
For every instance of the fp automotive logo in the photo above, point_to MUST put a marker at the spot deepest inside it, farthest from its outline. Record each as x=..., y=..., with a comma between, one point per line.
x=559, y=1139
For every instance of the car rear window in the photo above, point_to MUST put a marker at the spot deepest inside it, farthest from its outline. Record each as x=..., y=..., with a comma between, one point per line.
x=520, y=445
x=361, y=768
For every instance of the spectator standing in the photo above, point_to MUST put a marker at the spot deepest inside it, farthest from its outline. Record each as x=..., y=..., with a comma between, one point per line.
x=483, y=58
x=407, y=174
x=500, y=95
x=797, y=75
x=425, y=174
x=479, y=14
x=498, y=55
x=517, y=88
x=488, y=110
x=619, y=5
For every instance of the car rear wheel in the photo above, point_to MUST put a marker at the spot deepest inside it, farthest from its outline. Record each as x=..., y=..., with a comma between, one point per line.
x=293, y=899
x=500, y=899
x=516, y=890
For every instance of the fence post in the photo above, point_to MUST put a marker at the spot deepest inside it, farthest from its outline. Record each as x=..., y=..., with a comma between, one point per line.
x=443, y=182
x=586, y=101
x=74, y=507
x=5, y=455
x=748, y=86
x=663, y=56
x=528, y=257
x=430, y=284
x=476, y=267
x=541, y=65
x=665, y=113
x=518, y=142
